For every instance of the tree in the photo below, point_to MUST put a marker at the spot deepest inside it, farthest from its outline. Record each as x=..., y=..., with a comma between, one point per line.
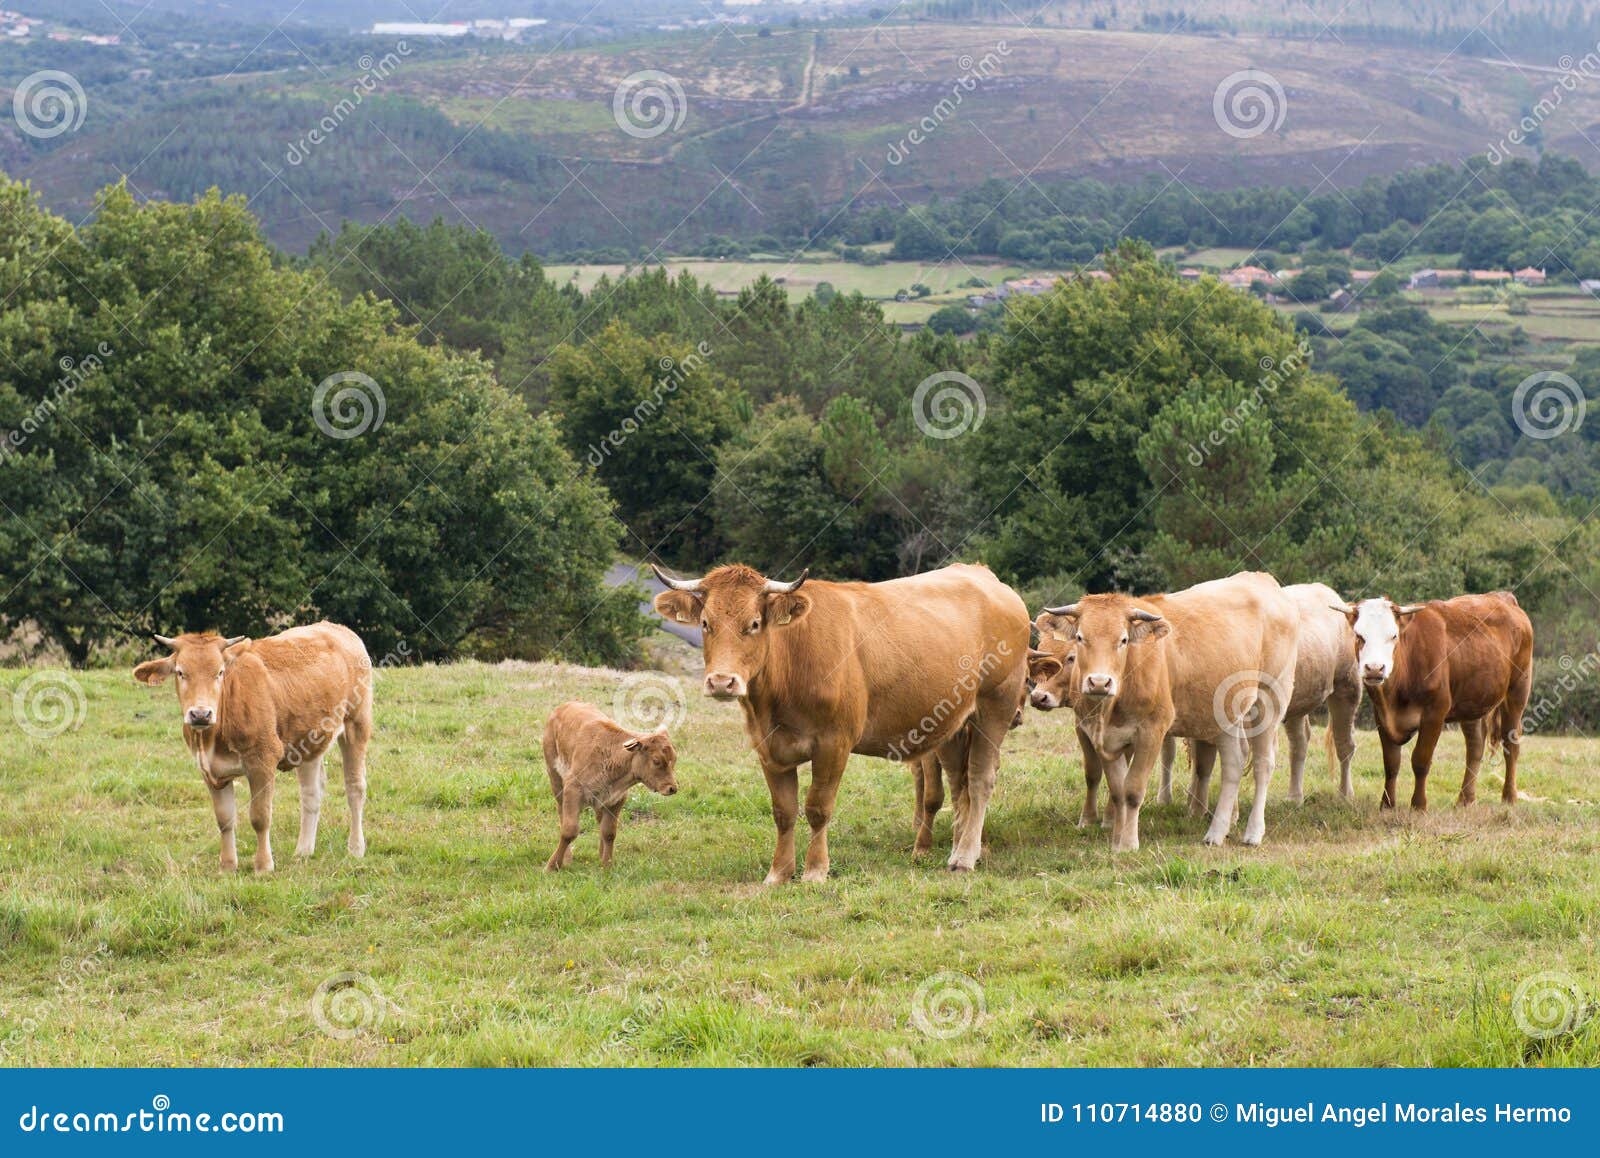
x=648, y=417
x=237, y=447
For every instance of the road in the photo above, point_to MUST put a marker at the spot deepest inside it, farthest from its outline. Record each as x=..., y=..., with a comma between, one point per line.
x=622, y=573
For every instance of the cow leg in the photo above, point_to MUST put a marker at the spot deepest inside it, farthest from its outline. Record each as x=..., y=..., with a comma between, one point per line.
x=571, y=804
x=1231, y=753
x=1342, y=726
x=1093, y=770
x=783, y=785
x=311, y=781
x=1169, y=756
x=261, y=816
x=606, y=817
x=930, y=798
x=353, y=751
x=1203, y=757
x=986, y=730
x=1422, y=760
x=1146, y=751
x=1391, y=771
x=1299, y=729
x=827, y=769
x=1116, y=770
x=1264, y=752
x=222, y=804
x=1509, y=720
x=1476, y=734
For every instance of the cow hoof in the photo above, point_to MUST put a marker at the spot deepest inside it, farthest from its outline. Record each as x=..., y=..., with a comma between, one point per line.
x=1252, y=840
x=814, y=876
x=1296, y=799
x=357, y=850
x=1214, y=841
x=958, y=864
x=773, y=879
x=304, y=853
x=1464, y=801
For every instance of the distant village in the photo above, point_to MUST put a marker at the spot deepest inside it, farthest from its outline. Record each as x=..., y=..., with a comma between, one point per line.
x=16, y=26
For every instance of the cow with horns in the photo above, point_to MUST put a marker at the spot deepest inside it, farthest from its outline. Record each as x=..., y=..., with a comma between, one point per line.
x=897, y=669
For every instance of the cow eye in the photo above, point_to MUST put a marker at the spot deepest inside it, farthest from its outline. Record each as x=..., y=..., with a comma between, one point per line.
x=755, y=626
x=1078, y=637
x=1123, y=642
x=705, y=626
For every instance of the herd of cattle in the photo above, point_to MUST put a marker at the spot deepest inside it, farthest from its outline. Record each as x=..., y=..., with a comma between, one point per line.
x=931, y=670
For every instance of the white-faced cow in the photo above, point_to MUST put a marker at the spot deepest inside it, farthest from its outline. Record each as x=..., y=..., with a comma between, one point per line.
x=1213, y=663
x=1467, y=660
x=252, y=707
x=895, y=669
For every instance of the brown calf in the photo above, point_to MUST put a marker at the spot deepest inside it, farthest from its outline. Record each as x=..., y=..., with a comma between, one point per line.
x=253, y=707
x=1467, y=660
x=593, y=762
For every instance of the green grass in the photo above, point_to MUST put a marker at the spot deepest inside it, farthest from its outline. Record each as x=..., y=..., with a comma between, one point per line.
x=1350, y=938
x=800, y=277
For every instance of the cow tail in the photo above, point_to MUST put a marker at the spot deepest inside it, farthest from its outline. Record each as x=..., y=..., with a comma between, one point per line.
x=1496, y=718
x=1331, y=749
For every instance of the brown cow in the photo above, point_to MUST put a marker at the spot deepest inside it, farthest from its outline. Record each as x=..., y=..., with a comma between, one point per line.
x=895, y=669
x=253, y=707
x=1466, y=660
x=593, y=762
x=1213, y=663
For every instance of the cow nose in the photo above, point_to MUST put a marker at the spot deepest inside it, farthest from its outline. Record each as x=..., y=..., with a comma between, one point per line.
x=670, y=790
x=1044, y=701
x=1373, y=671
x=723, y=685
x=199, y=717
x=1098, y=685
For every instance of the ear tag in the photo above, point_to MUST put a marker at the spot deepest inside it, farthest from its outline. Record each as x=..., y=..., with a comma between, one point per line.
x=784, y=618
x=682, y=618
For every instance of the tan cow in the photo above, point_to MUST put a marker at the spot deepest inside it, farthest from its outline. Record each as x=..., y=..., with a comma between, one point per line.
x=593, y=762
x=1213, y=663
x=895, y=669
x=254, y=707
x=1467, y=660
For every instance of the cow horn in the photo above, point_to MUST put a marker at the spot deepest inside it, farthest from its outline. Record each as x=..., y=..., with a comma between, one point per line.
x=1341, y=608
x=774, y=587
x=164, y=641
x=1070, y=611
x=676, y=584
x=233, y=641
x=1143, y=616
x=1409, y=608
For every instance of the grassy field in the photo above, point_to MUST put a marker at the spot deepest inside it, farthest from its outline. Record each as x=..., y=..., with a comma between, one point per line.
x=1350, y=938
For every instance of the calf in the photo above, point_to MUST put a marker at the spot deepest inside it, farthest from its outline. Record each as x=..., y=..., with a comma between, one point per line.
x=593, y=762
x=1213, y=663
x=253, y=707
x=1467, y=660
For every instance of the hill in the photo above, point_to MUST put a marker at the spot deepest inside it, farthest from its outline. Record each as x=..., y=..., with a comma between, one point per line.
x=739, y=132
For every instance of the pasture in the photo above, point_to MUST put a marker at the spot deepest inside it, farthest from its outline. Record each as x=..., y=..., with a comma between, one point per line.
x=1349, y=938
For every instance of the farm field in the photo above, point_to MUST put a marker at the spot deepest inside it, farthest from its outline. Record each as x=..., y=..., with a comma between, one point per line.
x=1349, y=938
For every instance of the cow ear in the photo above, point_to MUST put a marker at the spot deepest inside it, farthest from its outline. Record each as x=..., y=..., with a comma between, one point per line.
x=631, y=744
x=154, y=671
x=786, y=607
x=678, y=606
x=1140, y=630
x=1056, y=627
x=1042, y=666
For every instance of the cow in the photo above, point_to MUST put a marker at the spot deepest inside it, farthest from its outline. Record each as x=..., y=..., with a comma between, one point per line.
x=253, y=707
x=897, y=669
x=593, y=762
x=1045, y=668
x=928, y=775
x=1467, y=660
x=1213, y=663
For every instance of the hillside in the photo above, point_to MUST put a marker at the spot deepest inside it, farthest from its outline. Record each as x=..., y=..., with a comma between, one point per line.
x=774, y=124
